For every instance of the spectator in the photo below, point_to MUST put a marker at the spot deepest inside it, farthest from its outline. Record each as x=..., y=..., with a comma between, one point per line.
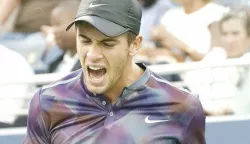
x=152, y=11
x=184, y=30
x=62, y=40
x=235, y=34
x=224, y=89
x=25, y=37
x=12, y=96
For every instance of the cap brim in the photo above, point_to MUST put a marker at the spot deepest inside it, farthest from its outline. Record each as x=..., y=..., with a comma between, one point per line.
x=106, y=27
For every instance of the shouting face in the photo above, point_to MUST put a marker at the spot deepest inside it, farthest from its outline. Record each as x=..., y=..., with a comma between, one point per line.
x=105, y=60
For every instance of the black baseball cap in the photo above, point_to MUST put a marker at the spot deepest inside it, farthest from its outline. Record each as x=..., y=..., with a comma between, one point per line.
x=111, y=17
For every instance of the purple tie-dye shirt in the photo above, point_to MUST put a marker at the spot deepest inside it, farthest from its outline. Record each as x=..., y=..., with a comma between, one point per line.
x=150, y=111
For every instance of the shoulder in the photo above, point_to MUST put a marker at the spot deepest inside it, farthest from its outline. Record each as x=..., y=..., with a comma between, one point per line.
x=8, y=55
x=184, y=107
x=187, y=105
x=66, y=81
x=45, y=97
x=13, y=61
x=172, y=13
x=63, y=87
x=215, y=11
x=181, y=106
x=246, y=56
x=171, y=88
x=217, y=7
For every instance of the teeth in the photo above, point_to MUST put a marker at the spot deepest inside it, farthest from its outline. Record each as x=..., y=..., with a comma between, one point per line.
x=95, y=68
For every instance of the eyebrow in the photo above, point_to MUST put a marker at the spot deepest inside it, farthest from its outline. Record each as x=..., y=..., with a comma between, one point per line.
x=104, y=40
x=83, y=36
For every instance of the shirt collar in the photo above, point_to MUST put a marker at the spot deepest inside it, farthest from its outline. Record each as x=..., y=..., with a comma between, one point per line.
x=142, y=80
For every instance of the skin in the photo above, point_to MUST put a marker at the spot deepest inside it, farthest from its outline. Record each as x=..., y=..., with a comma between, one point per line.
x=168, y=40
x=6, y=8
x=114, y=54
x=236, y=42
x=234, y=37
x=65, y=39
x=60, y=18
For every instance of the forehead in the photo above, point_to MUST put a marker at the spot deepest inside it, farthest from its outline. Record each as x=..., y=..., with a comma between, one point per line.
x=233, y=22
x=90, y=31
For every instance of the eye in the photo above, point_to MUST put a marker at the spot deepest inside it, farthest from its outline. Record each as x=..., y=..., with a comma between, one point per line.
x=235, y=33
x=224, y=33
x=85, y=41
x=108, y=45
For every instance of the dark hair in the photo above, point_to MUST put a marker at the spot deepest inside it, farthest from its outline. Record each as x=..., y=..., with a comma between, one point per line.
x=240, y=15
x=130, y=37
x=148, y=3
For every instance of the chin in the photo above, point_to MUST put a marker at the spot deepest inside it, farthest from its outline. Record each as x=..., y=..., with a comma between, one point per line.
x=97, y=90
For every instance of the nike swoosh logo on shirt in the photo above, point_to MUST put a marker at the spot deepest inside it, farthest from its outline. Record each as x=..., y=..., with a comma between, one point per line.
x=154, y=121
x=96, y=5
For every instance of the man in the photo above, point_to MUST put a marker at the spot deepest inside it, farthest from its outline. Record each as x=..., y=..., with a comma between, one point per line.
x=112, y=100
x=234, y=30
x=184, y=30
x=25, y=37
x=10, y=62
x=60, y=56
x=152, y=11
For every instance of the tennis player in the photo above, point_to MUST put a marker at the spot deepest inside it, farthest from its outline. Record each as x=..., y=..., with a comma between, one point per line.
x=113, y=100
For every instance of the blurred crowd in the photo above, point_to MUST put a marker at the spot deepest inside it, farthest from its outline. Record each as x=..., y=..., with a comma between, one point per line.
x=34, y=40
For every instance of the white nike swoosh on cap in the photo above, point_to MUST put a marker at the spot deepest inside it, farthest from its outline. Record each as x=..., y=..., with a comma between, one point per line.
x=96, y=5
x=154, y=121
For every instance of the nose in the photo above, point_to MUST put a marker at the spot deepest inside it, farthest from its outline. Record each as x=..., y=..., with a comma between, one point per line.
x=230, y=39
x=94, y=53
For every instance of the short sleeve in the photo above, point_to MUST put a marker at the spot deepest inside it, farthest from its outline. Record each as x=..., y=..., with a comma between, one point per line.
x=195, y=132
x=36, y=129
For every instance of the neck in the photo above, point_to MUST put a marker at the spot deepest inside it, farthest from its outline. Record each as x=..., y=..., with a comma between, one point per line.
x=194, y=6
x=125, y=80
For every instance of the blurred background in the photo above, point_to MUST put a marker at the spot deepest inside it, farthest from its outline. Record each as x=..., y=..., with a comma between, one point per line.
x=202, y=46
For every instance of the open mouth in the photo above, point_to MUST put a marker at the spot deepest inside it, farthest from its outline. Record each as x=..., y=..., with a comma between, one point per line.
x=96, y=74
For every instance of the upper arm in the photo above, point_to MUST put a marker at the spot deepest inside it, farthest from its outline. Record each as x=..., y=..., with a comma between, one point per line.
x=187, y=122
x=195, y=132
x=36, y=129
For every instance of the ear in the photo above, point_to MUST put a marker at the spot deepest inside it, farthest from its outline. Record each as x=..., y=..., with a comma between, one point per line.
x=248, y=43
x=135, y=45
x=248, y=39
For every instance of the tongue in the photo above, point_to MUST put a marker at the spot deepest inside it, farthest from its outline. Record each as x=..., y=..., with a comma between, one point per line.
x=97, y=73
